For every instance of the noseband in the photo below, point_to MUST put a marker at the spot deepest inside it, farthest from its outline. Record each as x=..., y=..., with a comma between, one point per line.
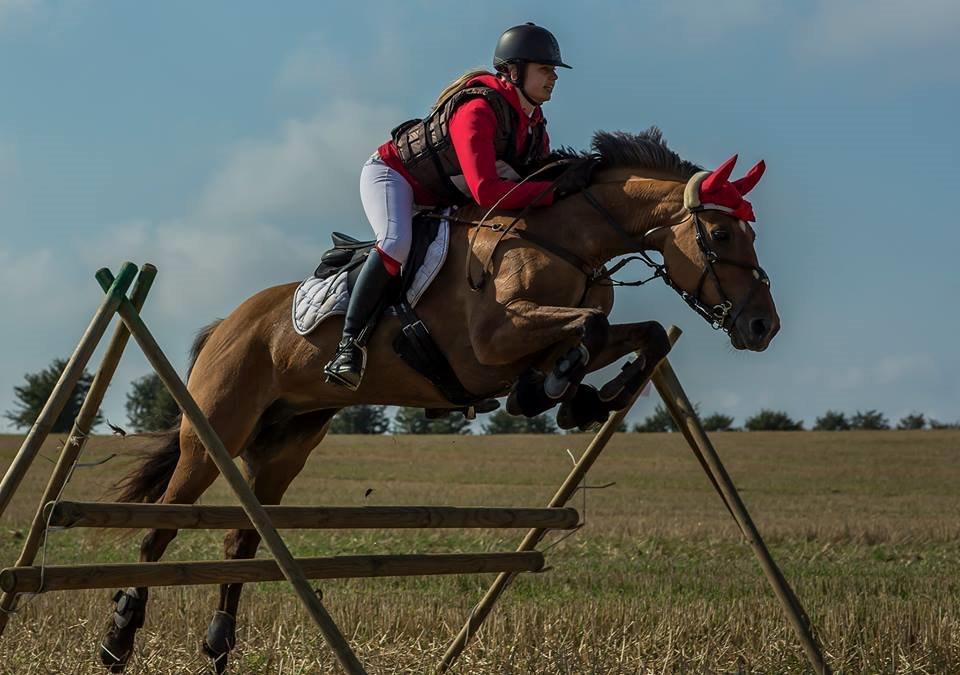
x=718, y=316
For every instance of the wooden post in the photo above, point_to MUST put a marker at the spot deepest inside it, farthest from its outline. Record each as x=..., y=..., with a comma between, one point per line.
x=68, y=380
x=194, y=516
x=534, y=536
x=75, y=442
x=77, y=577
x=668, y=385
x=224, y=461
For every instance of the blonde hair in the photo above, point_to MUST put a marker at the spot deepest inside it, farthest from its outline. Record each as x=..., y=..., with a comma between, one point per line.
x=457, y=85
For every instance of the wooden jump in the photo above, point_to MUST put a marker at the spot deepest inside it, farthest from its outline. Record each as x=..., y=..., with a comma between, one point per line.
x=182, y=516
x=77, y=577
x=25, y=578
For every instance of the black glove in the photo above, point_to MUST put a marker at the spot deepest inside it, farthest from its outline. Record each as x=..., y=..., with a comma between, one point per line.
x=575, y=178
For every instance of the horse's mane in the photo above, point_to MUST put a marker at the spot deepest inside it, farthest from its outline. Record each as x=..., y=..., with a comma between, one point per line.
x=646, y=150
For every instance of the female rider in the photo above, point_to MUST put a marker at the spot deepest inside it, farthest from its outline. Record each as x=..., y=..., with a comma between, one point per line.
x=484, y=133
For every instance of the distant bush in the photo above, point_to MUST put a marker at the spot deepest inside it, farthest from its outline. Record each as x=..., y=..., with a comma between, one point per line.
x=33, y=394
x=718, y=422
x=150, y=407
x=361, y=419
x=832, y=420
x=935, y=424
x=659, y=421
x=415, y=421
x=502, y=422
x=870, y=420
x=772, y=420
x=912, y=421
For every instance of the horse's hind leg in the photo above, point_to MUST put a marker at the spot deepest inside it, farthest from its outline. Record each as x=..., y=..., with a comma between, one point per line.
x=270, y=464
x=234, y=420
x=194, y=474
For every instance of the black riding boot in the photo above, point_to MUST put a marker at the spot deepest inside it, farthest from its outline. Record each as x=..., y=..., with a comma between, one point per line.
x=346, y=367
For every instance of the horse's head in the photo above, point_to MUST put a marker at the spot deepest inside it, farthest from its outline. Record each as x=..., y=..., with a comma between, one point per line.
x=710, y=259
x=648, y=198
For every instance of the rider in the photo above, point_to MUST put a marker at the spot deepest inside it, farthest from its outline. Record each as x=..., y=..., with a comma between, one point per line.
x=484, y=133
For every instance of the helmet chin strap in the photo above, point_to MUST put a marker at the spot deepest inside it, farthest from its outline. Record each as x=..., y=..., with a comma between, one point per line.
x=518, y=83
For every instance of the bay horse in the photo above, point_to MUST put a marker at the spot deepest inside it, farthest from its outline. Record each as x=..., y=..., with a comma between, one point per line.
x=262, y=385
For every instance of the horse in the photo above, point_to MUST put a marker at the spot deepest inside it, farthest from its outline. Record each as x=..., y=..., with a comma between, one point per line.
x=535, y=300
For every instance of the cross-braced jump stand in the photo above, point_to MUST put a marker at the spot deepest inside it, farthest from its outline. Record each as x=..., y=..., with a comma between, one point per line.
x=525, y=559
x=689, y=424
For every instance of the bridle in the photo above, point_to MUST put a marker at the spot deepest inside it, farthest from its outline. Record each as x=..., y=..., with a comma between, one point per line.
x=718, y=316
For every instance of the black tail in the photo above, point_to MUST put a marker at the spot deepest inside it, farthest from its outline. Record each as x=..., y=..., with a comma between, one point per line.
x=148, y=481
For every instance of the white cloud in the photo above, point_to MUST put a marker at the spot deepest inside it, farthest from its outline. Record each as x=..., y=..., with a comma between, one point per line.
x=206, y=270
x=313, y=168
x=381, y=71
x=32, y=283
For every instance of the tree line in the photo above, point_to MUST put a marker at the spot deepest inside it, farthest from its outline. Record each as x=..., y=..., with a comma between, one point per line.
x=150, y=407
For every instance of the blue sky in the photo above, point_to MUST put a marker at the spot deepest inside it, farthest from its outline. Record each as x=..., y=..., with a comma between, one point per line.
x=222, y=141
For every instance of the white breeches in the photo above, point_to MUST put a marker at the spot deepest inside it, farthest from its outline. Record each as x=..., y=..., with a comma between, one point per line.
x=388, y=202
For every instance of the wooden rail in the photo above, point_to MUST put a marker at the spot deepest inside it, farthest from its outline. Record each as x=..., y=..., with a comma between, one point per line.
x=182, y=516
x=75, y=577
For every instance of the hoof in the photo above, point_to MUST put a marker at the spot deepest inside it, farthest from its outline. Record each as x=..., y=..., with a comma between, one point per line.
x=569, y=369
x=116, y=647
x=528, y=398
x=583, y=410
x=220, y=639
x=629, y=378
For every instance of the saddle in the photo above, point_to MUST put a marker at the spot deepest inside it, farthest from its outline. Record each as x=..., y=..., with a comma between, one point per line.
x=349, y=253
x=413, y=343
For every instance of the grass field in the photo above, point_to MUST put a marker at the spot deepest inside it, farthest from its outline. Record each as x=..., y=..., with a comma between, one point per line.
x=865, y=526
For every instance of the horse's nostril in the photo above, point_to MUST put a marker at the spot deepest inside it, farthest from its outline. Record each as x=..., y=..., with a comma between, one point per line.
x=758, y=327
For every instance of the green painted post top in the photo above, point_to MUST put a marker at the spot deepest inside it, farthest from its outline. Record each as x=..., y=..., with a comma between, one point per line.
x=117, y=287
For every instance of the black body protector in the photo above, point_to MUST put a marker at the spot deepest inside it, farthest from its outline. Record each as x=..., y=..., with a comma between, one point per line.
x=427, y=152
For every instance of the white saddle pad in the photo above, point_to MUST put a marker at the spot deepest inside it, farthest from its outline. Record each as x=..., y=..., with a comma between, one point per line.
x=316, y=299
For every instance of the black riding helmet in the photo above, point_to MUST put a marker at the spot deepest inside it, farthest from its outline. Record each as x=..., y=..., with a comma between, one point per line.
x=528, y=43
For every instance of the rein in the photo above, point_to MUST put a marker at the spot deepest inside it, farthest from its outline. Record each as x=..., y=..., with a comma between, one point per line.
x=718, y=316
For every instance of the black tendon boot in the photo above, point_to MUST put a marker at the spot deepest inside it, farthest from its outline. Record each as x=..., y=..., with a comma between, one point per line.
x=346, y=367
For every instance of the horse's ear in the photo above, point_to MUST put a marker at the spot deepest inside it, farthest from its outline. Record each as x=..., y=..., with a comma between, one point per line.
x=747, y=183
x=719, y=176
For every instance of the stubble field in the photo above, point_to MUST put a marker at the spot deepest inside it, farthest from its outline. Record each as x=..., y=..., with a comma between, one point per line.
x=865, y=526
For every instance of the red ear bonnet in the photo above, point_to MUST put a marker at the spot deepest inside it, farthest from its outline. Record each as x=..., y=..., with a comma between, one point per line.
x=718, y=192
x=748, y=182
x=718, y=177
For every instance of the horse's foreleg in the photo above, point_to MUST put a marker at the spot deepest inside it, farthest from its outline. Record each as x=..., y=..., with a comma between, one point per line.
x=233, y=417
x=525, y=328
x=647, y=337
x=588, y=405
x=270, y=464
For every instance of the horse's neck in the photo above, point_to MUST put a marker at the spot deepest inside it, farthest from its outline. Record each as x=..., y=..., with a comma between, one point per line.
x=636, y=206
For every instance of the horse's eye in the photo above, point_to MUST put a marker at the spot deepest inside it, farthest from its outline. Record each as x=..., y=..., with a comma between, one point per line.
x=720, y=235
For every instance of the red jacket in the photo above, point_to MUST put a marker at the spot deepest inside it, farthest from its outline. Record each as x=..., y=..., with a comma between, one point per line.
x=472, y=130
